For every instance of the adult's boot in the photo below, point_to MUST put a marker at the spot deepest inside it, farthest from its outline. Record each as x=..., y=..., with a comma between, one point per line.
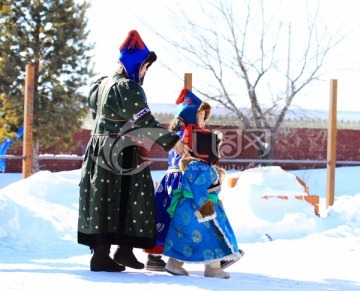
x=124, y=255
x=101, y=260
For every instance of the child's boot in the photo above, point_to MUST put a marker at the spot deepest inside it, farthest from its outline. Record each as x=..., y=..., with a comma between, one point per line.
x=174, y=267
x=155, y=263
x=213, y=270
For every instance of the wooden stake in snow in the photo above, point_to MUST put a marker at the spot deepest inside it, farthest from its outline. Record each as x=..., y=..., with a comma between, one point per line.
x=331, y=145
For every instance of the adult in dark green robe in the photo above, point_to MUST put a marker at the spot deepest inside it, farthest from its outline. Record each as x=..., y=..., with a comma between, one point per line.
x=116, y=204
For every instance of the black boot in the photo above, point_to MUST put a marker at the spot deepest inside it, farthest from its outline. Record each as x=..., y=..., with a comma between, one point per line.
x=124, y=255
x=101, y=260
x=155, y=263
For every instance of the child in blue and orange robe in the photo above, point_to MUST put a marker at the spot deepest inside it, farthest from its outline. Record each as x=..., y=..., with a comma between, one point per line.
x=200, y=231
x=189, y=110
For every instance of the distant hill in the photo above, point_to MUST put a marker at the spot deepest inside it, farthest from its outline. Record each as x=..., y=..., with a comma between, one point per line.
x=170, y=108
x=305, y=118
x=293, y=113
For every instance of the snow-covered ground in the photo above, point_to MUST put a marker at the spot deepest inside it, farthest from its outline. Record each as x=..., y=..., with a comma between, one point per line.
x=286, y=245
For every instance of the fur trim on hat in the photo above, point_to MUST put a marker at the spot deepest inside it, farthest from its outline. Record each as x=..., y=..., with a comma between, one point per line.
x=150, y=58
x=204, y=106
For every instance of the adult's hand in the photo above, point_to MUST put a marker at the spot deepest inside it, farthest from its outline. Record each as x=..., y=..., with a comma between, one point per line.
x=182, y=149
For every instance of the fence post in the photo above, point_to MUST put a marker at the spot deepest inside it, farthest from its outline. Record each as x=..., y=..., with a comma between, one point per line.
x=28, y=121
x=331, y=145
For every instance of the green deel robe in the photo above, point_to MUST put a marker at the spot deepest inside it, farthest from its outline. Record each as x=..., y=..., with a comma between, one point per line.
x=116, y=203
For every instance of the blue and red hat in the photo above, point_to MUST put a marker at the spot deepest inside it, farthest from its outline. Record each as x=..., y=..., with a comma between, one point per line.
x=133, y=53
x=188, y=104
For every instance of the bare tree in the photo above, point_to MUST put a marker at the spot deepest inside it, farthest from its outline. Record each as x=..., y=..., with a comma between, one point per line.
x=245, y=52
